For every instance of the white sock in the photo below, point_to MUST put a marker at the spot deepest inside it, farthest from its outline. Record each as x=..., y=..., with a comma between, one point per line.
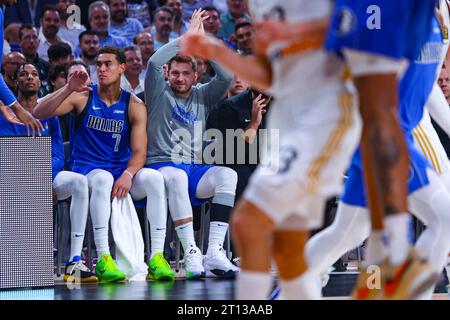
x=76, y=244
x=376, y=248
x=185, y=233
x=397, y=226
x=101, y=240
x=158, y=238
x=252, y=285
x=303, y=287
x=217, y=232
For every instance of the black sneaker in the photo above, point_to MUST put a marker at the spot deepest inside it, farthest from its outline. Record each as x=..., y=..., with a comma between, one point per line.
x=76, y=271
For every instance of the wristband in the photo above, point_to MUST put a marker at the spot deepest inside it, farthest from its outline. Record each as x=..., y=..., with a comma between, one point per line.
x=129, y=173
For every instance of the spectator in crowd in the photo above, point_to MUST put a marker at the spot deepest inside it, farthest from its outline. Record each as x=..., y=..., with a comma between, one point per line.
x=237, y=86
x=444, y=83
x=57, y=78
x=89, y=47
x=10, y=64
x=177, y=107
x=246, y=112
x=204, y=71
x=110, y=156
x=29, y=42
x=144, y=41
x=65, y=184
x=212, y=25
x=180, y=25
x=189, y=6
x=236, y=9
x=99, y=18
x=69, y=30
x=48, y=33
x=12, y=36
x=26, y=11
x=60, y=54
x=142, y=10
x=244, y=37
x=163, y=25
x=131, y=80
x=121, y=25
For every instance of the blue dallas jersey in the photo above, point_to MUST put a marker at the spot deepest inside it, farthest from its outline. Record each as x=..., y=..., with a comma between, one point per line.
x=101, y=136
x=394, y=28
x=414, y=90
x=51, y=128
x=6, y=96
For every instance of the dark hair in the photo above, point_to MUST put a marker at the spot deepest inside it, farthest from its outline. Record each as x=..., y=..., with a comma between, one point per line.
x=120, y=55
x=58, y=51
x=55, y=71
x=86, y=33
x=183, y=59
x=211, y=8
x=48, y=7
x=242, y=25
x=135, y=37
x=163, y=8
x=27, y=26
x=77, y=63
x=22, y=65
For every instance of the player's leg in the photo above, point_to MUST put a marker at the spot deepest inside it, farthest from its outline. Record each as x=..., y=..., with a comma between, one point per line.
x=384, y=149
x=149, y=183
x=177, y=188
x=218, y=183
x=430, y=204
x=252, y=230
x=100, y=184
x=70, y=184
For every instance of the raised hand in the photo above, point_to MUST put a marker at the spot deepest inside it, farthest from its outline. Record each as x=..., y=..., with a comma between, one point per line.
x=78, y=81
x=196, y=22
x=258, y=109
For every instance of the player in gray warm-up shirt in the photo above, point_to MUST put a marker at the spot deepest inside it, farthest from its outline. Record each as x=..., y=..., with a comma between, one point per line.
x=174, y=110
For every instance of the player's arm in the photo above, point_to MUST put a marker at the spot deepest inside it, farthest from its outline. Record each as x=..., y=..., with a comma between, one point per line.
x=66, y=99
x=438, y=108
x=138, y=120
x=255, y=70
x=268, y=31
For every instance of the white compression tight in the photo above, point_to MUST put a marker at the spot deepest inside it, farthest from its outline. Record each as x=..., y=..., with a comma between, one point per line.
x=70, y=184
x=149, y=183
x=352, y=225
x=100, y=184
x=218, y=183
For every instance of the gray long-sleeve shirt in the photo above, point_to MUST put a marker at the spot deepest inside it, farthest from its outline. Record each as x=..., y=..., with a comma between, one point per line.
x=175, y=125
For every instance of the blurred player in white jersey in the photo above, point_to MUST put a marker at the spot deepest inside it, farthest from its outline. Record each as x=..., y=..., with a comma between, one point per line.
x=318, y=129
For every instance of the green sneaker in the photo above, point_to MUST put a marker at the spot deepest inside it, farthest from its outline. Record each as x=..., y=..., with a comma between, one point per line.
x=107, y=271
x=159, y=268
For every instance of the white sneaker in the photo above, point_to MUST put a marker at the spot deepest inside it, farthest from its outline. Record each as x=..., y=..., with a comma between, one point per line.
x=193, y=263
x=217, y=265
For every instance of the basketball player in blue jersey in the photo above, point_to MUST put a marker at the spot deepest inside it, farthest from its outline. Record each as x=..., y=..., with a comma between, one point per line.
x=65, y=184
x=109, y=147
x=11, y=108
x=375, y=44
x=428, y=199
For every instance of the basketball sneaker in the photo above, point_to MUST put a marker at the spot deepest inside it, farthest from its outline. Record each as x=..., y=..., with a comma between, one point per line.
x=159, y=268
x=76, y=271
x=409, y=279
x=217, y=265
x=193, y=263
x=107, y=271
